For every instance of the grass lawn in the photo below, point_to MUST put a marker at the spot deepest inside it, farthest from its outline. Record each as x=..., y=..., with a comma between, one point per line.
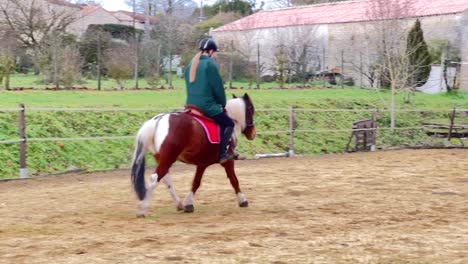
x=34, y=81
x=263, y=98
x=58, y=156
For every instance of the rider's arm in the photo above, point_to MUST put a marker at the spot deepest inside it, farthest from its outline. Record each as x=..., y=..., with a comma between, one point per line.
x=215, y=81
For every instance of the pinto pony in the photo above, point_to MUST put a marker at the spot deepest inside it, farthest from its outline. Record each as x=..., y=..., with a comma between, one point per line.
x=179, y=136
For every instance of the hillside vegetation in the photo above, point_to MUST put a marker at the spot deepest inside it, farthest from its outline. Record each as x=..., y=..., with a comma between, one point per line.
x=45, y=157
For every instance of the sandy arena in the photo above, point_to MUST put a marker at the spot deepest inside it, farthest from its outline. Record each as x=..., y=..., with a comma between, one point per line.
x=405, y=206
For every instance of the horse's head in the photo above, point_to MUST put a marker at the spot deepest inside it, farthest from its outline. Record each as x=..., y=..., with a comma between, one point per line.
x=242, y=110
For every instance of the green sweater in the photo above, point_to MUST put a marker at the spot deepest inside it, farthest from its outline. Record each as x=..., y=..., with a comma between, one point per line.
x=207, y=92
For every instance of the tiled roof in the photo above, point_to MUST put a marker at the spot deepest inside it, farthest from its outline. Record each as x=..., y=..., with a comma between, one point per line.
x=88, y=9
x=141, y=18
x=339, y=12
x=63, y=3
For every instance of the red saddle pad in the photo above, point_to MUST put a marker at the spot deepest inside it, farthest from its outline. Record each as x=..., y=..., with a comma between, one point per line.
x=210, y=127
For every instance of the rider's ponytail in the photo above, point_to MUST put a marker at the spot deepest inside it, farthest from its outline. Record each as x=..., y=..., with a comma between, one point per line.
x=194, y=66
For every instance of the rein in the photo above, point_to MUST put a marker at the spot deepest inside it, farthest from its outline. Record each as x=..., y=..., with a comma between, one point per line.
x=248, y=115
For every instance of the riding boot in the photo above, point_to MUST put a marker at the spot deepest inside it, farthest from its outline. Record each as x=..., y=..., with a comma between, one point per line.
x=223, y=145
x=232, y=149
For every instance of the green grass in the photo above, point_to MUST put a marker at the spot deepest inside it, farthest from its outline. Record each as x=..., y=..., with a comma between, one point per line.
x=36, y=81
x=263, y=98
x=58, y=156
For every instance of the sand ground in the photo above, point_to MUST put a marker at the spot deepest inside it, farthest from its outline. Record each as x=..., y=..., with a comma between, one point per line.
x=405, y=206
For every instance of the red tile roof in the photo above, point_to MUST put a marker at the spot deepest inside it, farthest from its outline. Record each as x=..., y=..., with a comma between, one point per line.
x=339, y=12
x=63, y=3
x=88, y=9
x=141, y=18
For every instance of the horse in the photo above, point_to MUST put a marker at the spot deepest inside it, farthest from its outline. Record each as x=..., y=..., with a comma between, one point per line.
x=178, y=136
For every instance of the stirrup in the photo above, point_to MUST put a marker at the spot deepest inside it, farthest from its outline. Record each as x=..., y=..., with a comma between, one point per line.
x=238, y=156
x=225, y=158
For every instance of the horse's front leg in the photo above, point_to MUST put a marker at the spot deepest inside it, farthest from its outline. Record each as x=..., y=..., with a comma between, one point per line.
x=231, y=174
x=189, y=199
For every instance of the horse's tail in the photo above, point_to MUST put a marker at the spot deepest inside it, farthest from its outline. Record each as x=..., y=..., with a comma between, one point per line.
x=142, y=142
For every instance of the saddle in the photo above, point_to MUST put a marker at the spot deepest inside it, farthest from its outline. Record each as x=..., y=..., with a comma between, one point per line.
x=208, y=124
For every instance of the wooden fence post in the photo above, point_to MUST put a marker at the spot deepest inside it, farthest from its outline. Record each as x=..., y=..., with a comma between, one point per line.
x=452, y=123
x=22, y=135
x=291, y=131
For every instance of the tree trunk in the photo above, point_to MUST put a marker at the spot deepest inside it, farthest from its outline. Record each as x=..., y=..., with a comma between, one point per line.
x=99, y=62
x=7, y=81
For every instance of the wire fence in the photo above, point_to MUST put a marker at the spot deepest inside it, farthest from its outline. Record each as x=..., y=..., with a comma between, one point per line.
x=294, y=124
x=287, y=131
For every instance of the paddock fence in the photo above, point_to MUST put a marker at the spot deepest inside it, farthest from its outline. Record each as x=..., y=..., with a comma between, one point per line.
x=282, y=132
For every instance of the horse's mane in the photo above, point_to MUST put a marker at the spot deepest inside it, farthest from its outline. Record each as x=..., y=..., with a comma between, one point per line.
x=236, y=110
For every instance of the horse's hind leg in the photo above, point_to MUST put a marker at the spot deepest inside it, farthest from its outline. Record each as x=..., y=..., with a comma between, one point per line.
x=189, y=199
x=168, y=181
x=144, y=204
x=161, y=170
x=231, y=174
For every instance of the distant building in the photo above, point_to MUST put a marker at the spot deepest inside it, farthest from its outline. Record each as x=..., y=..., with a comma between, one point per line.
x=95, y=14
x=343, y=33
x=129, y=18
x=89, y=15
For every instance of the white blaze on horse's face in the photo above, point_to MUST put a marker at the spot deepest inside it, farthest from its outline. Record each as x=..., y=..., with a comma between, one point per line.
x=236, y=110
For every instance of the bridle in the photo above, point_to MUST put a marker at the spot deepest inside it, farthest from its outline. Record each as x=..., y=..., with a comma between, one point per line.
x=249, y=112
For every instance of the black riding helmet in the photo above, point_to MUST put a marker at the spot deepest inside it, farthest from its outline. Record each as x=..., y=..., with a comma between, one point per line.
x=208, y=44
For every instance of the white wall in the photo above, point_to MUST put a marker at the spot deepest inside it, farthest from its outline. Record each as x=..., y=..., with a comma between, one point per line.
x=100, y=16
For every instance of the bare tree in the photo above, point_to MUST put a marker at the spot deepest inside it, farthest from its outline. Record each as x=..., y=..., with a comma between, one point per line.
x=282, y=64
x=179, y=8
x=171, y=34
x=246, y=47
x=70, y=63
x=8, y=53
x=302, y=47
x=119, y=67
x=303, y=51
x=151, y=59
x=36, y=21
x=393, y=59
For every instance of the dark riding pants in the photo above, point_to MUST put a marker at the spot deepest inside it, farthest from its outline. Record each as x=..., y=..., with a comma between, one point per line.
x=226, y=127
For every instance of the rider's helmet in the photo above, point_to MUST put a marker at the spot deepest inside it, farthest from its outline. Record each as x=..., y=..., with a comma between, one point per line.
x=208, y=43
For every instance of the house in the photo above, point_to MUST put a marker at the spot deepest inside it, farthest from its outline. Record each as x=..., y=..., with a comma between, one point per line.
x=26, y=17
x=344, y=35
x=130, y=18
x=84, y=15
x=89, y=15
x=96, y=14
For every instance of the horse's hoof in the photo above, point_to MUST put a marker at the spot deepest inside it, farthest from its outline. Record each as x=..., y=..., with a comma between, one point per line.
x=244, y=204
x=189, y=208
x=141, y=216
x=180, y=206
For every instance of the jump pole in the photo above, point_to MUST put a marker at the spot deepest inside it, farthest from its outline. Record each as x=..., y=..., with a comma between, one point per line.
x=290, y=152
